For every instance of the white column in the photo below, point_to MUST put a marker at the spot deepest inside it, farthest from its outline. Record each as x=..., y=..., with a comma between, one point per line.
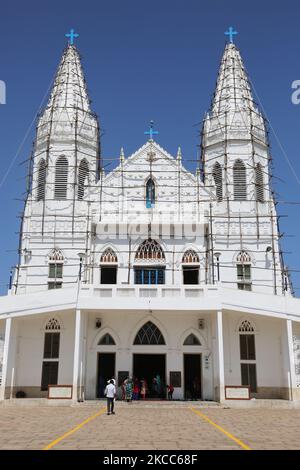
x=7, y=341
x=291, y=358
x=220, y=346
x=77, y=354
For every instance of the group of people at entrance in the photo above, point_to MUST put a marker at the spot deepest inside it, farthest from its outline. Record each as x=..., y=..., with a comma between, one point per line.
x=136, y=389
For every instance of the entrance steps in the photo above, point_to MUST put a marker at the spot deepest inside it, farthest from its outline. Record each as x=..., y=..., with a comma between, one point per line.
x=245, y=404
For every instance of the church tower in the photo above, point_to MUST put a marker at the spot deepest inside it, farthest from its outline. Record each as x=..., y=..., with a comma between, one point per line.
x=65, y=163
x=236, y=167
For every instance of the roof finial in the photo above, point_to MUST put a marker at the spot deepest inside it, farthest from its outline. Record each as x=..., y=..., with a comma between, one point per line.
x=231, y=33
x=122, y=155
x=151, y=131
x=72, y=35
x=179, y=156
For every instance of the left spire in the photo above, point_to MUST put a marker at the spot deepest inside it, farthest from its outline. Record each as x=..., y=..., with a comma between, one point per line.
x=69, y=88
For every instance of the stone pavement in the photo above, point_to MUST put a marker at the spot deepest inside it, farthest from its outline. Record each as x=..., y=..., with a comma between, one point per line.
x=155, y=426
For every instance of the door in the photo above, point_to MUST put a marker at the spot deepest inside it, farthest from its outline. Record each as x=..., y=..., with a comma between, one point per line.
x=106, y=370
x=148, y=367
x=192, y=376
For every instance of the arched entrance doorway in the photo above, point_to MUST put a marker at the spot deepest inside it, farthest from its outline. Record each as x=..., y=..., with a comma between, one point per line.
x=147, y=364
x=106, y=363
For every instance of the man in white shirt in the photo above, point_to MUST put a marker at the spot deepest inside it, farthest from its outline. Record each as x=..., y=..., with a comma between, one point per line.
x=110, y=393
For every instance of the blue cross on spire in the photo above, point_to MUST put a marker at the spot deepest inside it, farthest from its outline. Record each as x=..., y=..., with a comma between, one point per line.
x=72, y=35
x=231, y=33
x=151, y=131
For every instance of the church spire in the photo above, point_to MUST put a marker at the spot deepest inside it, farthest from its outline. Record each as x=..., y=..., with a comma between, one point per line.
x=233, y=90
x=69, y=88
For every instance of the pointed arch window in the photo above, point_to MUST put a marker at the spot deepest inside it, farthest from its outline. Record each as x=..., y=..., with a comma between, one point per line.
x=149, y=334
x=108, y=267
x=107, y=340
x=55, y=266
x=50, y=361
x=239, y=181
x=191, y=340
x=248, y=355
x=150, y=193
x=149, y=253
x=190, y=267
x=83, y=176
x=259, y=183
x=61, y=178
x=244, y=271
x=108, y=256
x=217, y=176
x=41, y=180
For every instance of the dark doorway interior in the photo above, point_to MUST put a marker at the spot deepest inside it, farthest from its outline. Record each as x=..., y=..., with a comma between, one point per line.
x=148, y=366
x=106, y=370
x=190, y=275
x=192, y=376
x=108, y=274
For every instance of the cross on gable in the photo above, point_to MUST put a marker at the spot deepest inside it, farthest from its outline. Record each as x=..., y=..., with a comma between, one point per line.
x=151, y=131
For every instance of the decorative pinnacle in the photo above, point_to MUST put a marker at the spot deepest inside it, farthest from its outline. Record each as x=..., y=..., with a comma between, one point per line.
x=179, y=155
x=122, y=155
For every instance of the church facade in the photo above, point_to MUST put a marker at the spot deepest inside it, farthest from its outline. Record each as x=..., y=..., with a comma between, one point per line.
x=148, y=269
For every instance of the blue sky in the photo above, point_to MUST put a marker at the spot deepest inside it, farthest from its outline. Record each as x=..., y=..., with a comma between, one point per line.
x=148, y=60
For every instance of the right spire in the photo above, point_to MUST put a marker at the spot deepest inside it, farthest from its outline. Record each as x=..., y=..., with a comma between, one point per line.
x=233, y=90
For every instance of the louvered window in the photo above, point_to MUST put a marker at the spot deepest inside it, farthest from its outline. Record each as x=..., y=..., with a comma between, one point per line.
x=83, y=175
x=217, y=176
x=239, y=181
x=41, y=182
x=61, y=178
x=259, y=183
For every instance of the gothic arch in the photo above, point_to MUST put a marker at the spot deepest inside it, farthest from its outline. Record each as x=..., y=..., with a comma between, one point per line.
x=199, y=336
x=52, y=324
x=109, y=246
x=188, y=247
x=150, y=251
x=100, y=333
x=108, y=256
x=106, y=340
x=141, y=323
x=149, y=335
x=55, y=255
x=243, y=323
x=250, y=254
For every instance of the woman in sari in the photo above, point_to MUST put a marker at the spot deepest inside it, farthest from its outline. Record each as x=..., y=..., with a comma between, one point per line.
x=128, y=389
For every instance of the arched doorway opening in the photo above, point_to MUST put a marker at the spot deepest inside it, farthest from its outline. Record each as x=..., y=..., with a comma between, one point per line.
x=148, y=365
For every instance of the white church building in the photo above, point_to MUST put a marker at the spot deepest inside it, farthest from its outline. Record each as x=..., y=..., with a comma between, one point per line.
x=149, y=269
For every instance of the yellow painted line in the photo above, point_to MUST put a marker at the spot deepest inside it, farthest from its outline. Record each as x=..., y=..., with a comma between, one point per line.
x=215, y=425
x=72, y=431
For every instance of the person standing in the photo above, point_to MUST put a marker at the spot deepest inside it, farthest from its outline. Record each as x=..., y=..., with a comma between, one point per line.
x=110, y=393
x=170, y=389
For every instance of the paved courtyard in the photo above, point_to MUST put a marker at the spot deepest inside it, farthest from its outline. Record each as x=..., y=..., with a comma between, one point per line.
x=155, y=426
